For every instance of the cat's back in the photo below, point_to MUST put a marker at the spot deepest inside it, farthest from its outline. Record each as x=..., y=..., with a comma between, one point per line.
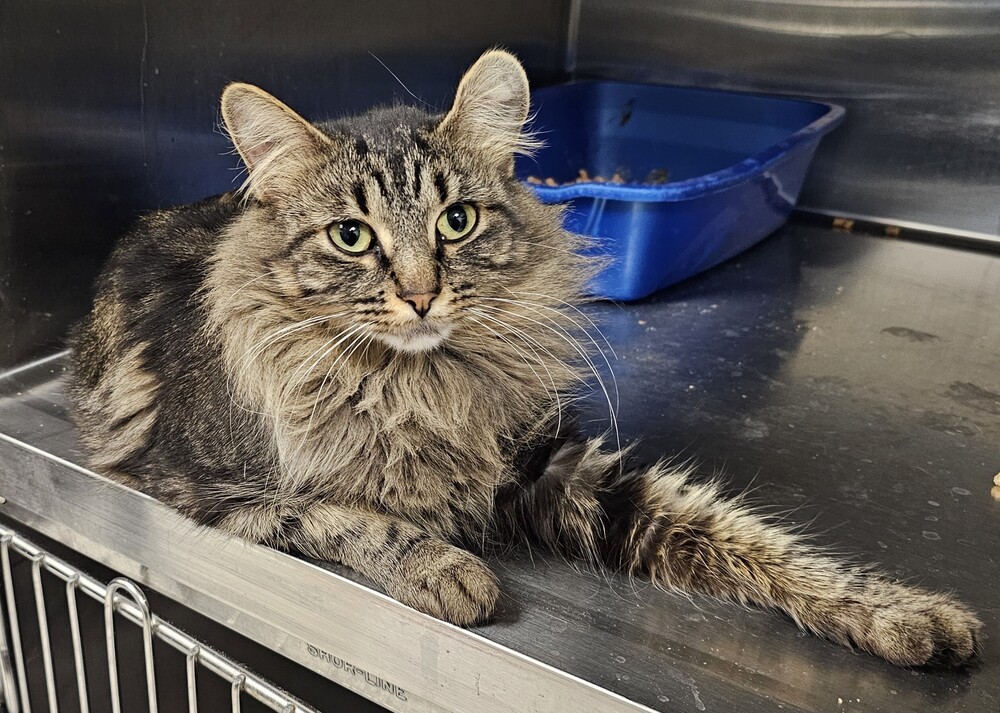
x=145, y=326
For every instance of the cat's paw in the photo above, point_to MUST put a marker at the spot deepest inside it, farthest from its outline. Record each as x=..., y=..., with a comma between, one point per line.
x=451, y=584
x=914, y=627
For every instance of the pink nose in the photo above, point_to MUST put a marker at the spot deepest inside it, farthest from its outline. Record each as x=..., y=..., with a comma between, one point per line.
x=420, y=301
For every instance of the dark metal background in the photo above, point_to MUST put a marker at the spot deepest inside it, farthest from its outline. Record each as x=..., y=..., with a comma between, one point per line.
x=920, y=80
x=110, y=107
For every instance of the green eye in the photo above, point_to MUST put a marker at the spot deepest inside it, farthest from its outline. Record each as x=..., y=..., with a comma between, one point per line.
x=456, y=221
x=351, y=236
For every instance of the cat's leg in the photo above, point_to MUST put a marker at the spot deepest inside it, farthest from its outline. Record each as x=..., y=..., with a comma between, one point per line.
x=413, y=566
x=683, y=535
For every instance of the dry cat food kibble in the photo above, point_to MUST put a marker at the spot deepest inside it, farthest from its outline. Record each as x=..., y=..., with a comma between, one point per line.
x=656, y=177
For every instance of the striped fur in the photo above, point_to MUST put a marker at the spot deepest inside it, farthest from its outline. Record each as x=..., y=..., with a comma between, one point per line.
x=242, y=368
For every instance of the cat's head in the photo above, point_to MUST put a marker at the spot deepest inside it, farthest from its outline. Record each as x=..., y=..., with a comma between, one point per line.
x=409, y=224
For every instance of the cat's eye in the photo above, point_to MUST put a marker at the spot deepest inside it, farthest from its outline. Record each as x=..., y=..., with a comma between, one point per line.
x=351, y=236
x=456, y=221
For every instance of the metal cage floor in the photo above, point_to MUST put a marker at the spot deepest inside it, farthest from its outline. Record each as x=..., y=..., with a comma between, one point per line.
x=849, y=381
x=121, y=599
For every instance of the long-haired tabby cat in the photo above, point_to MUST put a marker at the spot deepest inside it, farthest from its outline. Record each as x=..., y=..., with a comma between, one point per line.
x=365, y=354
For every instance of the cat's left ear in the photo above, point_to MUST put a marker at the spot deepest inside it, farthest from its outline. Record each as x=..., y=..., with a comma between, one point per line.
x=490, y=109
x=277, y=145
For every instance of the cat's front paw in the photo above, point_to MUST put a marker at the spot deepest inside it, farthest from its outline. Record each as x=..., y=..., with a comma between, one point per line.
x=914, y=627
x=449, y=583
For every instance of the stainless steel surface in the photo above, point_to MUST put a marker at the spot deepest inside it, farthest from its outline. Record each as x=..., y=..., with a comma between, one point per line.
x=7, y=671
x=920, y=80
x=72, y=584
x=192, y=679
x=15, y=701
x=110, y=107
x=138, y=599
x=361, y=639
x=986, y=240
x=122, y=597
x=850, y=381
x=43, y=633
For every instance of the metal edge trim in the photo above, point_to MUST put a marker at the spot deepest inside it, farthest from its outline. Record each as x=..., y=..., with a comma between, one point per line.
x=941, y=230
x=458, y=638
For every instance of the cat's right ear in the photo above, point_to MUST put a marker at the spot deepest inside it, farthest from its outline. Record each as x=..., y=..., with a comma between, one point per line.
x=277, y=145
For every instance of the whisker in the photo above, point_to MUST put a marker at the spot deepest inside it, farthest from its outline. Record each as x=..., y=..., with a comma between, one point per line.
x=611, y=371
x=361, y=336
x=555, y=390
x=245, y=285
x=613, y=416
x=272, y=338
x=247, y=359
x=571, y=306
x=401, y=82
x=292, y=386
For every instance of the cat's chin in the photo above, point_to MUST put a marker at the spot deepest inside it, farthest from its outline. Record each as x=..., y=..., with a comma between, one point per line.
x=422, y=338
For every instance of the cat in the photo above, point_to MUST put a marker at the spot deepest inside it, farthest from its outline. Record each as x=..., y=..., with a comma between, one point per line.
x=365, y=355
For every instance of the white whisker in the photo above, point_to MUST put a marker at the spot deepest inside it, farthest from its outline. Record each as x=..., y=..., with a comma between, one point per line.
x=533, y=307
x=541, y=362
x=568, y=338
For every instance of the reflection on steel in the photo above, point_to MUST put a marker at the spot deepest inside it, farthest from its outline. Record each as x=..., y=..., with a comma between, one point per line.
x=120, y=598
x=846, y=379
x=74, y=624
x=192, y=683
x=10, y=697
x=920, y=82
x=43, y=630
x=110, y=604
x=237, y=689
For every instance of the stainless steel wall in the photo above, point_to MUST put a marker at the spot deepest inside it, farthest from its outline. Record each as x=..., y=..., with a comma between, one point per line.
x=920, y=80
x=110, y=107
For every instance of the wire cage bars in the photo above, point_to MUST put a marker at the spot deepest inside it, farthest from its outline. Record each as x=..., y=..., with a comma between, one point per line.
x=121, y=599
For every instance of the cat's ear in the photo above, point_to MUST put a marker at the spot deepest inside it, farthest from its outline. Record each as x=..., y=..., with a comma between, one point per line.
x=490, y=109
x=276, y=144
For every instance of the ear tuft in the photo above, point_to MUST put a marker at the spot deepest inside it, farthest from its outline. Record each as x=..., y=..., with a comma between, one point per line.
x=491, y=107
x=276, y=144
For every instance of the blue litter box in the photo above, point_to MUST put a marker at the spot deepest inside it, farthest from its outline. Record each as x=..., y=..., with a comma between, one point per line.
x=700, y=175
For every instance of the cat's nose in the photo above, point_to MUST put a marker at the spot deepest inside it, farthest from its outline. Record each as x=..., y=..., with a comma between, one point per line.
x=419, y=301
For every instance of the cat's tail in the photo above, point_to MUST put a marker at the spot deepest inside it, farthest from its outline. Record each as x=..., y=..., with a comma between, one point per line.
x=683, y=535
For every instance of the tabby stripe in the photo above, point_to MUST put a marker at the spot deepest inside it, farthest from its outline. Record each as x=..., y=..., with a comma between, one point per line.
x=125, y=420
x=380, y=180
x=409, y=545
x=420, y=141
x=297, y=242
x=417, y=168
x=441, y=186
x=360, y=198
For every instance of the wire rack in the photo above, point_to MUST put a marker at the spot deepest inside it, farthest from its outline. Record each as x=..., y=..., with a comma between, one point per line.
x=121, y=599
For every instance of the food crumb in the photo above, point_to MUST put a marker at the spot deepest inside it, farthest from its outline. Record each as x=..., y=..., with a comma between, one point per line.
x=996, y=479
x=621, y=176
x=658, y=176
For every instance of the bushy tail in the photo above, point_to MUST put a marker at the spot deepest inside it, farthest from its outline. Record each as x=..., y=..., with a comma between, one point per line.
x=657, y=523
